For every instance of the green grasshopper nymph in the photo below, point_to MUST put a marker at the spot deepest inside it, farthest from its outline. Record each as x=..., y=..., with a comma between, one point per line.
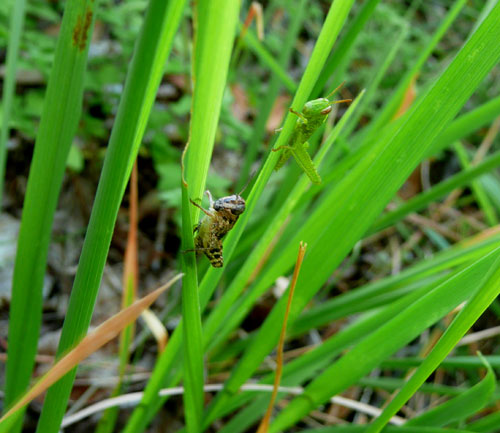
x=314, y=114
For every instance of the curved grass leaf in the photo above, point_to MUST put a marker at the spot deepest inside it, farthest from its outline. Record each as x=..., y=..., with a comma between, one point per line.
x=377, y=293
x=388, y=338
x=481, y=299
x=460, y=407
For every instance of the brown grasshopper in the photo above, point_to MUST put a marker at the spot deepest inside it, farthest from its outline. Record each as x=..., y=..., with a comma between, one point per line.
x=218, y=220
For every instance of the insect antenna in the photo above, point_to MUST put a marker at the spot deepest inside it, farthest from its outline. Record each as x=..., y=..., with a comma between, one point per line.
x=248, y=183
x=340, y=101
x=336, y=89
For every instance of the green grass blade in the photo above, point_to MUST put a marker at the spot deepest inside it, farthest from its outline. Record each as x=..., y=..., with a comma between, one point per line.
x=9, y=83
x=386, y=340
x=193, y=341
x=483, y=297
x=477, y=189
x=59, y=120
x=212, y=51
x=214, y=41
x=466, y=124
x=462, y=406
x=146, y=70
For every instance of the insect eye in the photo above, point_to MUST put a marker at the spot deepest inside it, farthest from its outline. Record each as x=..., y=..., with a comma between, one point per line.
x=326, y=110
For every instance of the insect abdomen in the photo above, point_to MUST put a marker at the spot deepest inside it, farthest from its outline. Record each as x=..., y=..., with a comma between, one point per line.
x=215, y=257
x=305, y=162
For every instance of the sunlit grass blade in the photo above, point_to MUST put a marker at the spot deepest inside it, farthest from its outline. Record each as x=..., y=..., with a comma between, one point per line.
x=212, y=50
x=461, y=407
x=9, y=83
x=145, y=72
x=61, y=112
x=192, y=336
x=386, y=339
x=482, y=298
